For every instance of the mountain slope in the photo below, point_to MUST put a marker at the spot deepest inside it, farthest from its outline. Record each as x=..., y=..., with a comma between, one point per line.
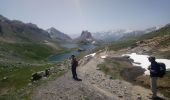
x=14, y=30
x=25, y=41
x=55, y=34
x=156, y=43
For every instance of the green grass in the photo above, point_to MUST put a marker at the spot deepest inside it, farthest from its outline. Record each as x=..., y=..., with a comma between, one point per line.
x=162, y=54
x=29, y=51
x=117, y=45
x=18, y=75
x=18, y=78
x=113, y=67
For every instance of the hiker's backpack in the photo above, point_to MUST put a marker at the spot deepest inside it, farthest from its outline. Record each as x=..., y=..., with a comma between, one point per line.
x=162, y=70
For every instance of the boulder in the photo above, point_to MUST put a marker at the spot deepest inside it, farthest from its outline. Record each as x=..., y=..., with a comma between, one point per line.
x=38, y=75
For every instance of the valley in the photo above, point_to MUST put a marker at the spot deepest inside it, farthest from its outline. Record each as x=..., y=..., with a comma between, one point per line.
x=26, y=49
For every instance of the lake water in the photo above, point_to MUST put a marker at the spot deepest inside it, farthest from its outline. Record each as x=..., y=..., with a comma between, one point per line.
x=60, y=57
x=69, y=45
x=142, y=60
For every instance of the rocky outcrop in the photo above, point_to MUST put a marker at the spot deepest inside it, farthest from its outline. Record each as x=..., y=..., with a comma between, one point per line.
x=85, y=37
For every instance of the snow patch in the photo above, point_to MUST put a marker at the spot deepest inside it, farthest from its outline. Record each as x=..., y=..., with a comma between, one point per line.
x=103, y=57
x=91, y=55
x=142, y=60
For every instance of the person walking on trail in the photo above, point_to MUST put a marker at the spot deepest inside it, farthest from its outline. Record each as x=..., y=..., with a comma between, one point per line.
x=154, y=70
x=74, y=65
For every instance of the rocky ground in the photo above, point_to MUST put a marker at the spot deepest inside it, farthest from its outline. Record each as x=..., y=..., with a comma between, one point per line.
x=95, y=85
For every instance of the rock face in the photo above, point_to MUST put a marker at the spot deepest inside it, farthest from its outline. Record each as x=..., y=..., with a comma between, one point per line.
x=85, y=37
x=55, y=34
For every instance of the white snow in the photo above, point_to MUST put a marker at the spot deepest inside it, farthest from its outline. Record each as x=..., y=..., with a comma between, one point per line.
x=103, y=57
x=142, y=60
x=93, y=54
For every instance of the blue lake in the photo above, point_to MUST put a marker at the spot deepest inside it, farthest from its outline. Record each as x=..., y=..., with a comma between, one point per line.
x=69, y=45
x=60, y=57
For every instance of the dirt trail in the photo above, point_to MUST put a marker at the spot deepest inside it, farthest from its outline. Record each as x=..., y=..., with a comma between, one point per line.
x=95, y=85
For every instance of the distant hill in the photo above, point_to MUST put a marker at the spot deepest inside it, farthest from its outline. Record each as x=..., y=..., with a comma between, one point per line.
x=14, y=30
x=56, y=34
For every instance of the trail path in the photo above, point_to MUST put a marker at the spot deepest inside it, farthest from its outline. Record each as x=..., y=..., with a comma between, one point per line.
x=95, y=85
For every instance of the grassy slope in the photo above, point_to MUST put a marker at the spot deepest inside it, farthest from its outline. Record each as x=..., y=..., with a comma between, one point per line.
x=18, y=61
x=131, y=42
x=18, y=77
x=122, y=44
x=30, y=51
x=113, y=67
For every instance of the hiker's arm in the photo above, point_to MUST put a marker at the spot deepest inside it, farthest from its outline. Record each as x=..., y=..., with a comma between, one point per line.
x=149, y=67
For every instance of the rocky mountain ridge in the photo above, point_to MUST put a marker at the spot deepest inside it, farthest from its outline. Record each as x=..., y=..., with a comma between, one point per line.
x=56, y=34
x=18, y=31
x=121, y=34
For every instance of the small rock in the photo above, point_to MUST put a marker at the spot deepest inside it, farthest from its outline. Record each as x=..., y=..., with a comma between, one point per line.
x=138, y=94
x=120, y=96
x=29, y=84
x=5, y=78
x=139, y=98
x=125, y=92
x=114, y=91
x=92, y=83
x=98, y=69
x=110, y=77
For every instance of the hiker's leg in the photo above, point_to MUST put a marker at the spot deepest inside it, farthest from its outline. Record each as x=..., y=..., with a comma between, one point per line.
x=72, y=69
x=75, y=73
x=154, y=86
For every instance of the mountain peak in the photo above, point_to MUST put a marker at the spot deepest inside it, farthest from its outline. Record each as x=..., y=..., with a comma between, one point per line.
x=86, y=35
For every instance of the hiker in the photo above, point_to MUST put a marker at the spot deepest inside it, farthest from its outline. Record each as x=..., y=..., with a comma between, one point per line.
x=74, y=65
x=154, y=71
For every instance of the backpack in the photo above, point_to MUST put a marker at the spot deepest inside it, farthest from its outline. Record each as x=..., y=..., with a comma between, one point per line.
x=162, y=70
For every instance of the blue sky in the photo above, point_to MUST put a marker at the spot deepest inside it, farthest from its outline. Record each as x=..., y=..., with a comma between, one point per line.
x=73, y=16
